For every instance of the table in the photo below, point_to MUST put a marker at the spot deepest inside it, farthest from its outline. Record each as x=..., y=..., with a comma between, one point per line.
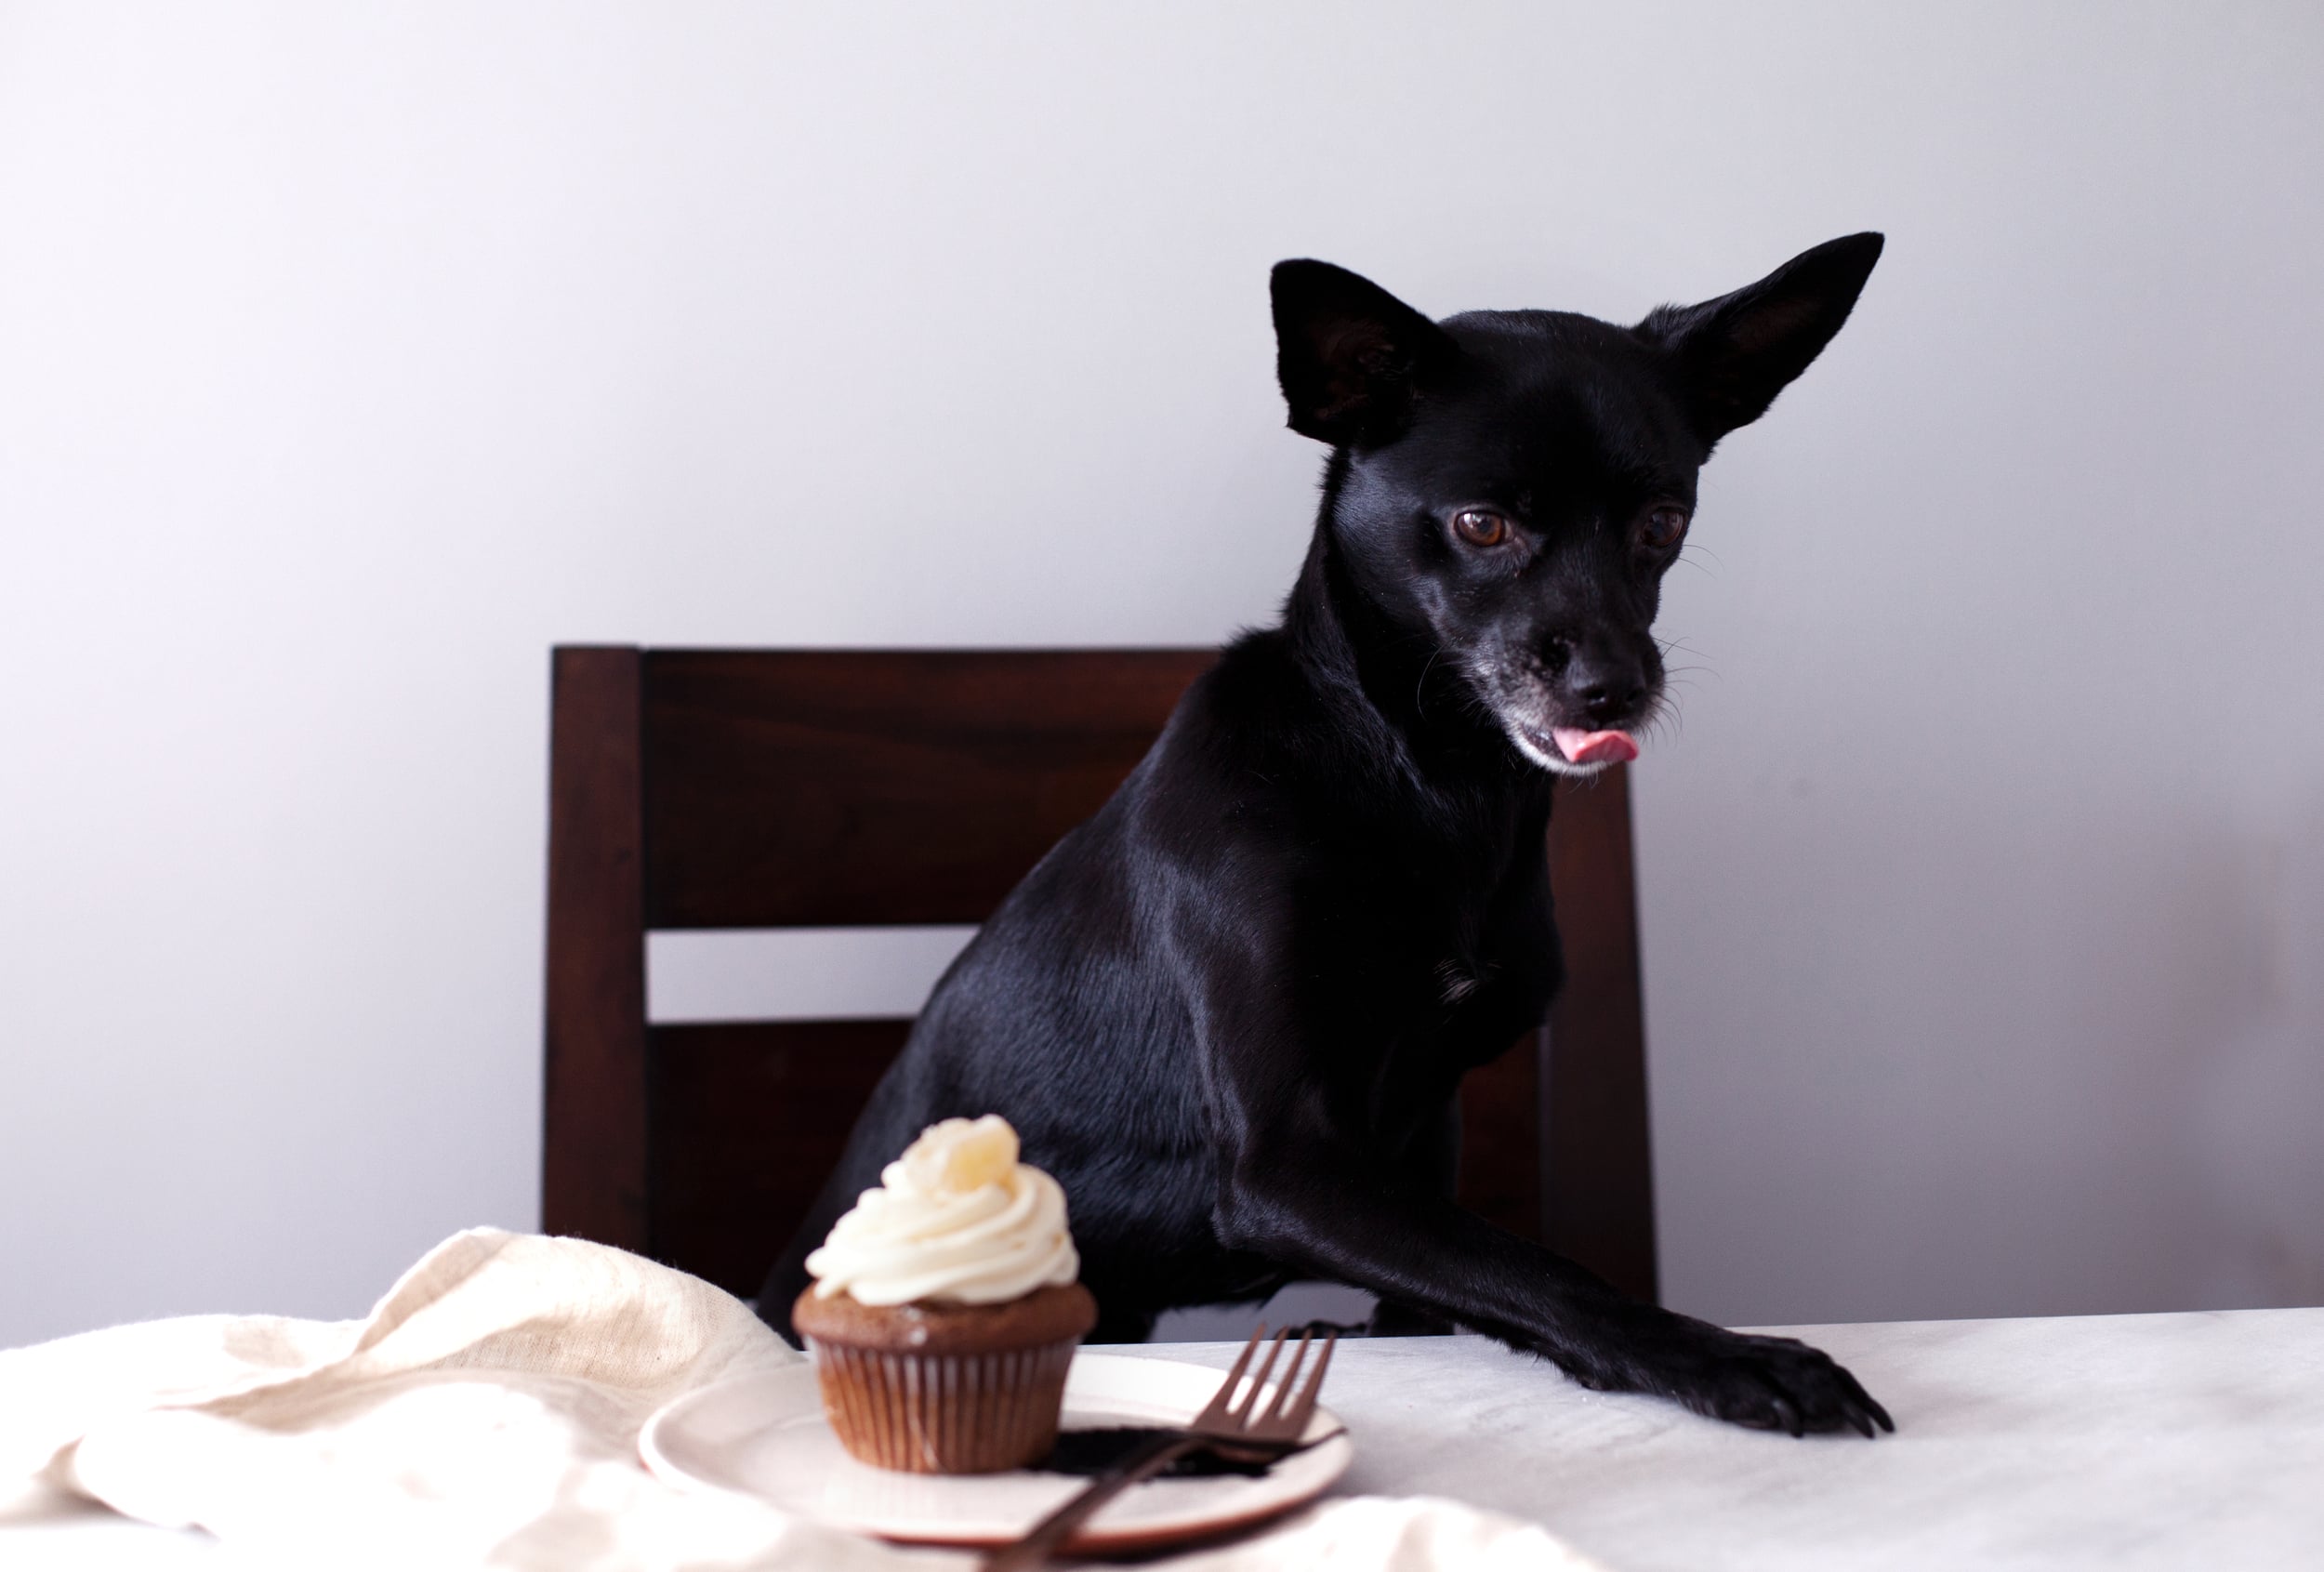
x=2123, y=1442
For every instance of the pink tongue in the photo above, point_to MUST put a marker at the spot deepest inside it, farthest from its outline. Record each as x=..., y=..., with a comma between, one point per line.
x=1594, y=747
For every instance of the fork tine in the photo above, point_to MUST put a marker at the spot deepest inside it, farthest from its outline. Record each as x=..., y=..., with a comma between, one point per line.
x=1283, y=1388
x=1220, y=1405
x=1241, y=1413
x=1305, y=1409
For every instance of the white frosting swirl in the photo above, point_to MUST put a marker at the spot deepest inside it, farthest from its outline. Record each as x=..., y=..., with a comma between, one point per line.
x=956, y=1217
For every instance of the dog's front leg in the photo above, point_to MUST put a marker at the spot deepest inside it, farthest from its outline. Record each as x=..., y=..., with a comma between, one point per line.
x=1312, y=1205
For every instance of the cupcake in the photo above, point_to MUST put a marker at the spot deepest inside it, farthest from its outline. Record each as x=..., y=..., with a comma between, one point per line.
x=945, y=1310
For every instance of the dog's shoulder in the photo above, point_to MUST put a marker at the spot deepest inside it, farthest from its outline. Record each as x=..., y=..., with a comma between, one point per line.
x=1262, y=721
x=1245, y=750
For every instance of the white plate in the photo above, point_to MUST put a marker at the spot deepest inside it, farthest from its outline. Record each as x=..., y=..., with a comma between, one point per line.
x=764, y=1435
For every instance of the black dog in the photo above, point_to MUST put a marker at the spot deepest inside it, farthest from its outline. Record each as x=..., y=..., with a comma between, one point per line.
x=1231, y=1012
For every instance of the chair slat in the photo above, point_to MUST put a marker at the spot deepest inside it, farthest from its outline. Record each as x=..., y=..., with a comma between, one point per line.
x=843, y=787
x=749, y=1118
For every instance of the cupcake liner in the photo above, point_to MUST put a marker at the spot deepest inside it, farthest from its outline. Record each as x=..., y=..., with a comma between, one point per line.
x=943, y=1413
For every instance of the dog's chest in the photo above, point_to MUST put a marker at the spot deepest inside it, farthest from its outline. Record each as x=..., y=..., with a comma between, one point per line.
x=1480, y=928
x=1467, y=971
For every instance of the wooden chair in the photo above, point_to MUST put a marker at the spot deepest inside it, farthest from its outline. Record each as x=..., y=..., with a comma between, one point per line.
x=769, y=789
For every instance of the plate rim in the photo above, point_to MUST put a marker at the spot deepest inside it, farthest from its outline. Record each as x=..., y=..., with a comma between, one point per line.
x=1337, y=1452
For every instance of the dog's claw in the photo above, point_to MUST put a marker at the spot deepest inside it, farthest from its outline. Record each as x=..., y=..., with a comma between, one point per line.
x=1861, y=1405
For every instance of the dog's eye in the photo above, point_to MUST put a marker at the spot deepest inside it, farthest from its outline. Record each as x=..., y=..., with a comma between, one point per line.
x=1480, y=526
x=1663, y=528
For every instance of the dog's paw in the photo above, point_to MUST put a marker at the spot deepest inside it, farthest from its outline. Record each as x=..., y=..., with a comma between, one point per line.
x=1766, y=1384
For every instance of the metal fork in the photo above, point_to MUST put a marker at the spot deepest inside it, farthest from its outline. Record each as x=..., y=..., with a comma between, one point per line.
x=1247, y=1432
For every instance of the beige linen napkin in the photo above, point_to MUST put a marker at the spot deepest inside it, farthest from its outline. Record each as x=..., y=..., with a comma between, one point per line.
x=486, y=1414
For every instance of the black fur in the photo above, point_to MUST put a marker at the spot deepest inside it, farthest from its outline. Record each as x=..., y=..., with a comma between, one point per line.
x=1231, y=1012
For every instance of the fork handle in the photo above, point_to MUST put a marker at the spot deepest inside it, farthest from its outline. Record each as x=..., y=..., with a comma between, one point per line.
x=1047, y=1537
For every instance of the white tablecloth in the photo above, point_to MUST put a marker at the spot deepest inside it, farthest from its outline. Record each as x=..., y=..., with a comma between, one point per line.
x=2177, y=1442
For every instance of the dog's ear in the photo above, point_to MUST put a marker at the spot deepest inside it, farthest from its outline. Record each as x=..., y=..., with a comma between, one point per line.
x=1733, y=355
x=1350, y=355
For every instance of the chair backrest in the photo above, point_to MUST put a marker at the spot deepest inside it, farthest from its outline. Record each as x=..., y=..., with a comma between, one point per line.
x=776, y=788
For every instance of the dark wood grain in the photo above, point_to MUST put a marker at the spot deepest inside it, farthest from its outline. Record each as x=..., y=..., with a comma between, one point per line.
x=593, y=1138
x=841, y=787
x=1501, y=1172
x=1598, y=1206
x=749, y=1119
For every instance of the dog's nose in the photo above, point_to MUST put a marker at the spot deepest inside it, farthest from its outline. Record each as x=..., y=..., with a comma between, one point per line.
x=1605, y=690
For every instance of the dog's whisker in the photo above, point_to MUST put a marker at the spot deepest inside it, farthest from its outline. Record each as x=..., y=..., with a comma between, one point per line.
x=1691, y=554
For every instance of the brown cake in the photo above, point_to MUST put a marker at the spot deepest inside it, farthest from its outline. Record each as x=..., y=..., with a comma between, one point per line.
x=959, y=1363
x=947, y=1388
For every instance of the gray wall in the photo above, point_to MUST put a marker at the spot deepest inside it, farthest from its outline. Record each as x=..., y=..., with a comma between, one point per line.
x=350, y=356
